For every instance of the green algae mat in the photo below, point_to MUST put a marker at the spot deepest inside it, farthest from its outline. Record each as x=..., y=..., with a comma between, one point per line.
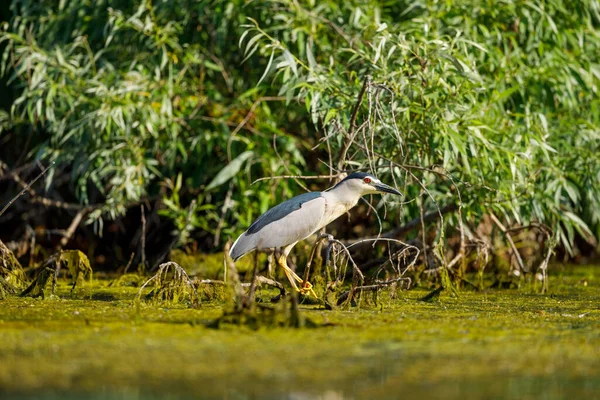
x=491, y=344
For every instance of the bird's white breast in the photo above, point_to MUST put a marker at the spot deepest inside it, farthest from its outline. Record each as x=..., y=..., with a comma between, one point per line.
x=336, y=207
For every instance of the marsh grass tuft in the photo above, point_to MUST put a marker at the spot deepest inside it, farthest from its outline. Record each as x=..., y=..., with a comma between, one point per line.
x=77, y=263
x=78, y=267
x=6, y=288
x=37, y=288
x=10, y=268
x=242, y=309
x=170, y=285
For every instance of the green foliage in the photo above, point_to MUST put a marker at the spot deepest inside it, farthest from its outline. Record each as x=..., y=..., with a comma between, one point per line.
x=125, y=98
x=492, y=105
x=489, y=105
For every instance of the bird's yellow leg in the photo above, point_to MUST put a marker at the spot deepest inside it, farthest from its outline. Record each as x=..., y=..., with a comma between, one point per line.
x=288, y=272
x=291, y=275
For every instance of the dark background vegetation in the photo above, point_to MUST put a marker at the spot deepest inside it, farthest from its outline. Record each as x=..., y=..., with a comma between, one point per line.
x=485, y=114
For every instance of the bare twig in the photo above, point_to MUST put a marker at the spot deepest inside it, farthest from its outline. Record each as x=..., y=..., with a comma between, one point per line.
x=361, y=94
x=128, y=263
x=72, y=228
x=357, y=275
x=295, y=177
x=455, y=260
x=226, y=206
x=37, y=199
x=374, y=288
x=143, y=238
x=284, y=164
x=64, y=205
x=423, y=232
x=412, y=224
x=544, y=267
x=510, y=241
x=352, y=128
x=533, y=225
x=313, y=253
x=6, y=173
x=233, y=281
x=261, y=280
x=406, y=248
x=27, y=187
x=249, y=299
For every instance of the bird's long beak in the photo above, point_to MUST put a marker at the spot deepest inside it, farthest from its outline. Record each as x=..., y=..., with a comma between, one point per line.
x=382, y=187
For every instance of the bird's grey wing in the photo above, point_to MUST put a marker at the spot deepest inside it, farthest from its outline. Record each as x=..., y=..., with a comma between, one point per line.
x=270, y=229
x=282, y=210
x=293, y=227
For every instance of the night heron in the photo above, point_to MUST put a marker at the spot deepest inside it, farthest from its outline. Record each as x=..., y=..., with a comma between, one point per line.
x=298, y=218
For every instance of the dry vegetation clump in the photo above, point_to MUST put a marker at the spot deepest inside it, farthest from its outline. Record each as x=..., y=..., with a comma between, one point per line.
x=78, y=267
x=170, y=285
x=11, y=272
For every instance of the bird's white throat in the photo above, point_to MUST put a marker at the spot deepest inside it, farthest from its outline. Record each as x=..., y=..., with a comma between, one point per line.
x=339, y=200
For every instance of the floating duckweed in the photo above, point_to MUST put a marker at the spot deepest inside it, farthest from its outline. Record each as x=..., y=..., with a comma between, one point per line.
x=127, y=280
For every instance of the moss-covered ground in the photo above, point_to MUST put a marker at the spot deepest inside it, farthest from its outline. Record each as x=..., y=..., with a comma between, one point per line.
x=493, y=344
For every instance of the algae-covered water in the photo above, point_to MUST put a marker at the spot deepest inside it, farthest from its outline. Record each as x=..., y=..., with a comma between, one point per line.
x=492, y=344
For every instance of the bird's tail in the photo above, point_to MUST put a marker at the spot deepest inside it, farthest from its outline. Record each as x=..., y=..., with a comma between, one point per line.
x=242, y=246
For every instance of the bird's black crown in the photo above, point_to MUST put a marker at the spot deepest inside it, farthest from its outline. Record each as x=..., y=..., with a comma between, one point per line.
x=358, y=175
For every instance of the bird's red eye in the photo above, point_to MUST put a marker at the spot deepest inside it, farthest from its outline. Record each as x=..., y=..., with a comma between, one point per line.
x=367, y=180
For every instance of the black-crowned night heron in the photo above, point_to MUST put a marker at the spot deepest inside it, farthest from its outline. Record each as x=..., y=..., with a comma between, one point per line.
x=298, y=218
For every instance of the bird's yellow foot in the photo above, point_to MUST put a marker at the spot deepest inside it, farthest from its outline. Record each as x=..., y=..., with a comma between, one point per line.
x=307, y=289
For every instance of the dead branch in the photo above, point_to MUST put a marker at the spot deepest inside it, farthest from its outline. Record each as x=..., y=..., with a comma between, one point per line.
x=403, y=252
x=409, y=226
x=26, y=187
x=352, y=128
x=313, y=254
x=533, y=225
x=260, y=280
x=129, y=263
x=361, y=94
x=72, y=228
x=357, y=275
x=331, y=176
x=423, y=231
x=226, y=206
x=232, y=278
x=510, y=241
x=544, y=266
x=143, y=238
x=374, y=288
